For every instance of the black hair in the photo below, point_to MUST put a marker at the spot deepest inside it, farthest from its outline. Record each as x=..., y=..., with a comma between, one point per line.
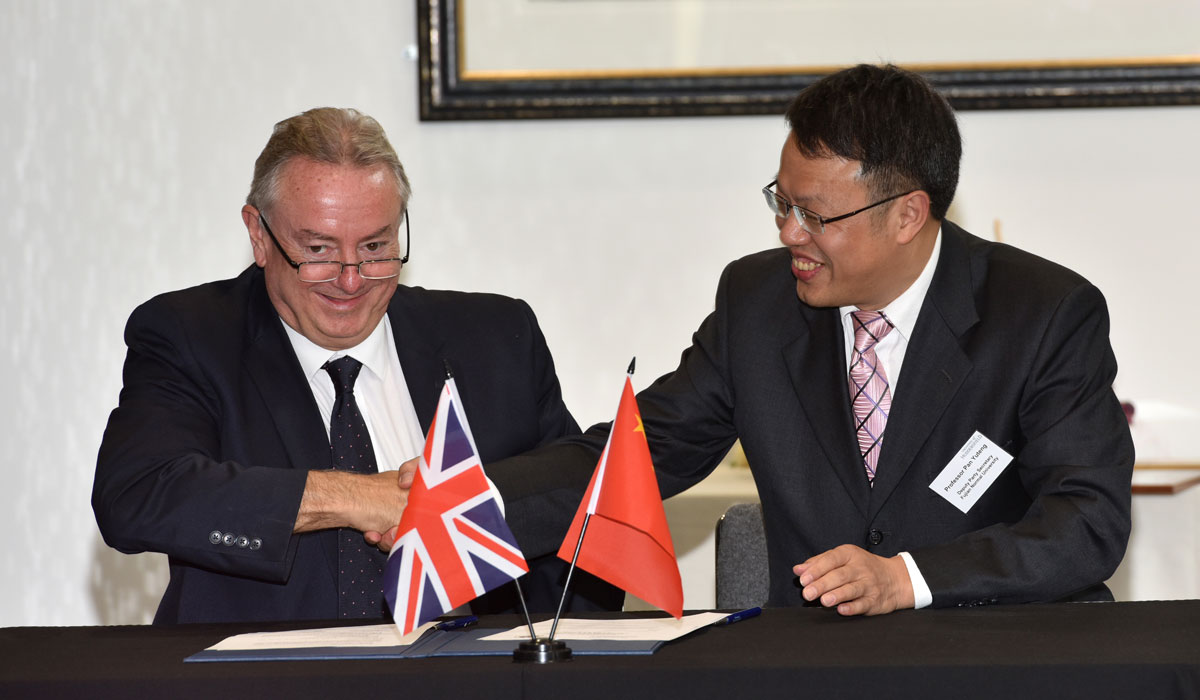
x=892, y=121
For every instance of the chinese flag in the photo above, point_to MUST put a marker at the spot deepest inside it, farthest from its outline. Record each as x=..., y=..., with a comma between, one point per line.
x=627, y=543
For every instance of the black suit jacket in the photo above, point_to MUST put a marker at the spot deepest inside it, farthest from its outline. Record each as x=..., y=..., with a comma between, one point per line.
x=217, y=428
x=1006, y=343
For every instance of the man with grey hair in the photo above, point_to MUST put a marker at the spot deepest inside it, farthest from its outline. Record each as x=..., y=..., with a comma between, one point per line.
x=237, y=446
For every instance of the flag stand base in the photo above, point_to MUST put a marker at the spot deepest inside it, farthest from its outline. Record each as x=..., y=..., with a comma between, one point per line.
x=541, y=651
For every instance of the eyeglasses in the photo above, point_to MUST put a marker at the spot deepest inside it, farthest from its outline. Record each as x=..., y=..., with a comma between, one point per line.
x=810, y=220
x=329, y=270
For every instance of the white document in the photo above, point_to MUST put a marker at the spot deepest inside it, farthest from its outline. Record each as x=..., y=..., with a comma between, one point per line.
x=366, y=636
x=625, y=629
x=971, y=473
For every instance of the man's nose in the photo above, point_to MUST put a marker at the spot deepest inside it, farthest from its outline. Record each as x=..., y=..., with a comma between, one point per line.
x=790, y=231
x=351, y=279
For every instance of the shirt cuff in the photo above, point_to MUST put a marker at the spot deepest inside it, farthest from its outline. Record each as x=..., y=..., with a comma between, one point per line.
x=922, y=597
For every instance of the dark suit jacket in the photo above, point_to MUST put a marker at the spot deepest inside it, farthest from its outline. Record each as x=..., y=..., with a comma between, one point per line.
x=217, y=428
x=1006, y=343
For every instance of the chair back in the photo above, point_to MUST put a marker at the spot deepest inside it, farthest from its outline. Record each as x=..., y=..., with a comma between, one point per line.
x=741, y=557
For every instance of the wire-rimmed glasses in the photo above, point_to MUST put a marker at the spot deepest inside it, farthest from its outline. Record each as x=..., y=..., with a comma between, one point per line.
x=810, y=220
x=329, y=270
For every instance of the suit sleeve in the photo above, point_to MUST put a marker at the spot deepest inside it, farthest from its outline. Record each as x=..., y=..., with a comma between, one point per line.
x=160, y=484
x=688, y=420
x=1076, y=464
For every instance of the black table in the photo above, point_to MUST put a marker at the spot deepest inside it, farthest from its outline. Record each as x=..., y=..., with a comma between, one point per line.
x=1082, y=650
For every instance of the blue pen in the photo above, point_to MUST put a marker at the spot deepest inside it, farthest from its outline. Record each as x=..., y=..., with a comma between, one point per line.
x=456, y=623
x=743, y=615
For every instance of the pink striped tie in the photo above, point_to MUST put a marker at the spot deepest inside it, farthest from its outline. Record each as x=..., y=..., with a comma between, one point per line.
x=870, y=395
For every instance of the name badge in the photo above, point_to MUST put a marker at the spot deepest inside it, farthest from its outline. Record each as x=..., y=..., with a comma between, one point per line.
x=971, y=473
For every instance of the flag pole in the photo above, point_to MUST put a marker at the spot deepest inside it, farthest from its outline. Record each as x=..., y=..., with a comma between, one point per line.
x=524, y=608
x=548, y=650
x=538, y=650
x=570, y=571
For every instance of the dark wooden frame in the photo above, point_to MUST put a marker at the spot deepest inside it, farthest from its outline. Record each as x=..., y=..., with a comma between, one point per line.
x=446, y=95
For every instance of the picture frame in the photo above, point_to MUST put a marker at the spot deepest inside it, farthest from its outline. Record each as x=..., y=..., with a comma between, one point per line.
x=448, y=92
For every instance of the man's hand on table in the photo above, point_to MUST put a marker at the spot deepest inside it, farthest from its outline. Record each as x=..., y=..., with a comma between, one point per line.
x=855, y=581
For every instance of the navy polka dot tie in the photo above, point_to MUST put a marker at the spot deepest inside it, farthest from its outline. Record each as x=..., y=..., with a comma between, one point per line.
x=360, y=566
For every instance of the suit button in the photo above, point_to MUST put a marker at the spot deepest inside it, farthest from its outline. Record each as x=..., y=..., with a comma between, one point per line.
x=215, y=537
x=255, y=543
x=876, y=536
x=229, y=539
x=243, y=542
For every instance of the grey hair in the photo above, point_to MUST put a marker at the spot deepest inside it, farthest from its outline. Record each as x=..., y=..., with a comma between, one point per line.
x=340, y=136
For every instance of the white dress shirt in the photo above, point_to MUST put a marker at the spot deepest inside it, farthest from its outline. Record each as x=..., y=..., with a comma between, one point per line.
x=903, y=314
x=380, y=391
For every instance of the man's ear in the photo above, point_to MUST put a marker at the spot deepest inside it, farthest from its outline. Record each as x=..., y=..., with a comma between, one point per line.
x=912, y=210
x=258, y=237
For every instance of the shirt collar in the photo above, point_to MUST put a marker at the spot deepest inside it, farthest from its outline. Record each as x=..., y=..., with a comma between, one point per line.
x=372, y=352
x=903, y=311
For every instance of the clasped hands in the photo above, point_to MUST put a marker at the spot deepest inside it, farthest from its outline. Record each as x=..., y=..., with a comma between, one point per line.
x=856, y=582
x=369, y=503
x=385, y=537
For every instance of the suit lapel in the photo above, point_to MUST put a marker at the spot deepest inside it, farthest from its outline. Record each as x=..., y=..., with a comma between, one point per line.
x=420, y=349
x=935, y=366
x=272, y=366
x=817, y=364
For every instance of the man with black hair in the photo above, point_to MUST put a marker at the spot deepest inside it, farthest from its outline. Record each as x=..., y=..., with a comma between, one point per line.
x=929, y=417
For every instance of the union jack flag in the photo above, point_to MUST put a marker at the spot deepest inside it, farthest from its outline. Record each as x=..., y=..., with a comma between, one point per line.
x=452, y=544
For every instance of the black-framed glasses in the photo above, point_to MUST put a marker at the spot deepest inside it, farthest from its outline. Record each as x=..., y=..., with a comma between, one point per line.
x=329, y=270
x=809, y=220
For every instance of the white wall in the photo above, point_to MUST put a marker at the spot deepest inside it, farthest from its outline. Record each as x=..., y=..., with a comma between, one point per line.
x=128, y=135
